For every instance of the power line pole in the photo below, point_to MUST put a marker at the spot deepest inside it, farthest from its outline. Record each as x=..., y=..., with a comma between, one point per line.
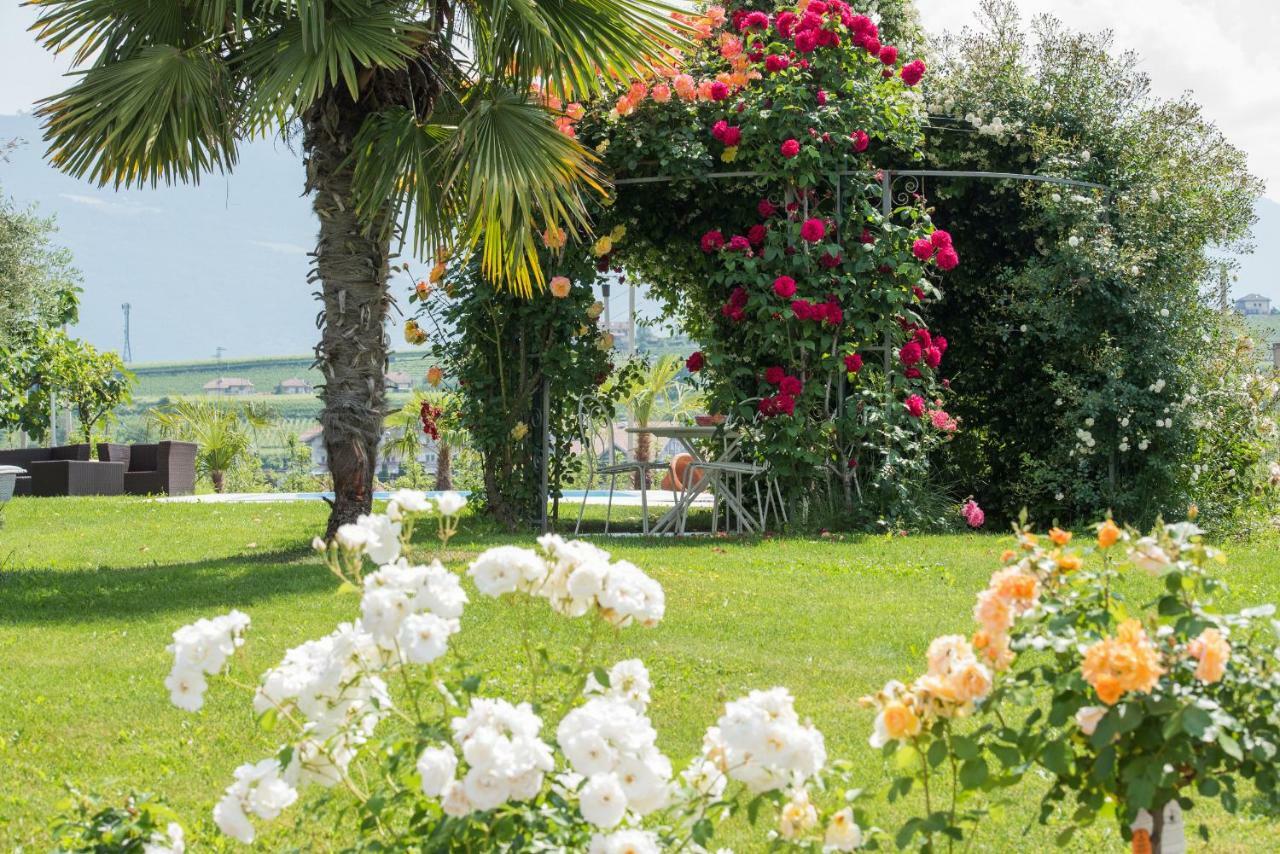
x=127, y=353
x=631, y=316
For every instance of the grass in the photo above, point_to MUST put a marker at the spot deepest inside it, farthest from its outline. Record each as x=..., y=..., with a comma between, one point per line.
x=90, y=590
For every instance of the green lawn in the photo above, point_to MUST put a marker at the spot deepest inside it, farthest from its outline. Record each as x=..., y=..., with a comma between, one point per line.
x=90, y=590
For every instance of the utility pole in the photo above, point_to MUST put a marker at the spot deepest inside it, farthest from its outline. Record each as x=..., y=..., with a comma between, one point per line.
x=217, y=354
x=127, y=353
x=631, y=317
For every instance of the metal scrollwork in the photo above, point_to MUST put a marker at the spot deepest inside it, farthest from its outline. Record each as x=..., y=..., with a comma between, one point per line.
x=907, y=188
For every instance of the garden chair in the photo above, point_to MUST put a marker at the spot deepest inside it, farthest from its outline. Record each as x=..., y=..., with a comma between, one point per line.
x=730, y=476
x=595, y=431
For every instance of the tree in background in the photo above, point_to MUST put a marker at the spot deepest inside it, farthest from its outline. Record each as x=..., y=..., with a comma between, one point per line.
x=414, y=116
x=91, y=382
x=38, y=283
x=651, y=391
x=223, y=431
x=1086, y=326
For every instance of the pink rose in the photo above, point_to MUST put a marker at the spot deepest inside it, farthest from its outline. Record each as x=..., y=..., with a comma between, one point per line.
x=922, y=249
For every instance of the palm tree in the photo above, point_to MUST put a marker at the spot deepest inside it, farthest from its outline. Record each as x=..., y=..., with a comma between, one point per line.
x=653, y=390
x=417, y=117
x=224, y=432
x=409, y=434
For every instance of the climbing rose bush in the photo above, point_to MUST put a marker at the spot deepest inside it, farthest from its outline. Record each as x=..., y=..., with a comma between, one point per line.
x=805, y=294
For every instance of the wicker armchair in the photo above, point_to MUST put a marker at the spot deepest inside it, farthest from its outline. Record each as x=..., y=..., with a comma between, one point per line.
x=164, y=468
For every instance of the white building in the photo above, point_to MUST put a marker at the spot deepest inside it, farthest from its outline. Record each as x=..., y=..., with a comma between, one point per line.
x=228, y=385
x=1253, y=304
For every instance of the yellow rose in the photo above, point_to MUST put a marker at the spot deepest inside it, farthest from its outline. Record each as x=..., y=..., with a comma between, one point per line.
x=730, y=154
x=595, y=309
x=519, y=431
x=435, y=376
x=606, y=341
x=604, y=246
x=437, y=272
x=619, y=232
x=413, y=333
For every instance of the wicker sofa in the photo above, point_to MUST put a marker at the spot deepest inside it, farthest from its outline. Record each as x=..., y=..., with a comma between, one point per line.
x=23, y=457
x=163, y=468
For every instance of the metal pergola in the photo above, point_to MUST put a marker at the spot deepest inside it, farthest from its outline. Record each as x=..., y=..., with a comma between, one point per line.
x=887, y=178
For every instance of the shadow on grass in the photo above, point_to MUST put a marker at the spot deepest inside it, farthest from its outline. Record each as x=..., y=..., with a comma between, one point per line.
x=34, y=596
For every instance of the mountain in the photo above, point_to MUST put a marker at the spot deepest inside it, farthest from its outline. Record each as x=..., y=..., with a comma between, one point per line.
x=224, y=264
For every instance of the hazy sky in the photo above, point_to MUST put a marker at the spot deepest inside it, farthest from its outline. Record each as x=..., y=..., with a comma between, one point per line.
x=1224, y=52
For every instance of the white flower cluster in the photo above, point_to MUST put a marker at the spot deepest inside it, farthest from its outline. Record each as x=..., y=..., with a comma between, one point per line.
x=260, y=789
x=376, y=536
x=628, y=681
x=412, y=610
x=575, y=577
x=506, y=758
x=760, y=741
x=610, y=741
x=202, y=649
x=172, y=841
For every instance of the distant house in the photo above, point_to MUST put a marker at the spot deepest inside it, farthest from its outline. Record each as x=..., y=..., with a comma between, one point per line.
x=293, y=385
x=399, y=381
x=1250, y=304
x=228, y=385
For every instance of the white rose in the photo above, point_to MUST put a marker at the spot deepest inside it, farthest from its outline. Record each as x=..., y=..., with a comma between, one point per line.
x=843, y=833
x=1087, y=718
x=173, y=842
x=352, y=537
x=407, y=501
x=383, y=545
x=436, y=766
x=453, y=800
x=425, y=637
x=450, y=503
x=486, y=789
x=602, y=801
x=1147, y=555
x=230, y=817
x=186, y=688
x=624, y=842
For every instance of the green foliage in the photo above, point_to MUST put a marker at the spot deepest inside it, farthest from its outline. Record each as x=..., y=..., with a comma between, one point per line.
x=1086, y=333
x=141, y=823
x=92, y=383
x=38, y=284
x=224, y=433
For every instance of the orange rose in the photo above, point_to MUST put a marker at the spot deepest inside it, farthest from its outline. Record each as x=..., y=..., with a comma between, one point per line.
x=1212, y=651
x=1108, y=534
x=435, y=376
x=560, y=286
x=1007, y=555
x=900, y=721
x=1059, y=536
x=437, y=272
x=1070, y=562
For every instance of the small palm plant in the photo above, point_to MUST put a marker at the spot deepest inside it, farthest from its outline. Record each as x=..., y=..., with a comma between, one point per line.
x=410, y=431
x=224, y=432
x=654, y=391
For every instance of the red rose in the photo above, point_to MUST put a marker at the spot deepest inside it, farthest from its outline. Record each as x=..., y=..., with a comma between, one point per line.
x=738, y=297
x=791, y=386
x=940, y=238
x=872, y=45
x=718, y=129
x=860, y=140
x=719, y=91
x=806, y=42
x=932, y=357
x=922, y=249
x=765, y=208
x=910, y=353
x=947, y=259
x=889, y=54
x=822, y=98
x=813, y=230
x=912, y=373
x=712, y=240
x=861, y=24
x=923, y=337
x=915, y=405
x=732, y=136
x=773, y=63
x=736, y=314
x=695, y=362
x=830, y=261
x=786, y=404
x=918, y=292
x=912, y=72
x=834, y=314
x=784, y=286
x=755, y=234
x=886, y=73
x=802, y=309
x=940, y=343
x=790, y=148
x=786, y=23
x=774, y=375
x=866, y=237
x=738, y=243
x=755, y=21
x=853, y=363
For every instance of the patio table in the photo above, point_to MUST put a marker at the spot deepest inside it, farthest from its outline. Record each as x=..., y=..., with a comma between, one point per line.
x=688, y=436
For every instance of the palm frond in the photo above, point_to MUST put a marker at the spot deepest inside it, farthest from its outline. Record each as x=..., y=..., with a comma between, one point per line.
x=164, y=114
x=502, y=172
x=111, y=30
x=577, y=48
x=290, y=68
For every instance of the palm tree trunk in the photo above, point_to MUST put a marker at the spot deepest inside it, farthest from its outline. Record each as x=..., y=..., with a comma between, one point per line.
x=642, y=454
x=444, y=467
x=219, y=480
x=351, y=262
